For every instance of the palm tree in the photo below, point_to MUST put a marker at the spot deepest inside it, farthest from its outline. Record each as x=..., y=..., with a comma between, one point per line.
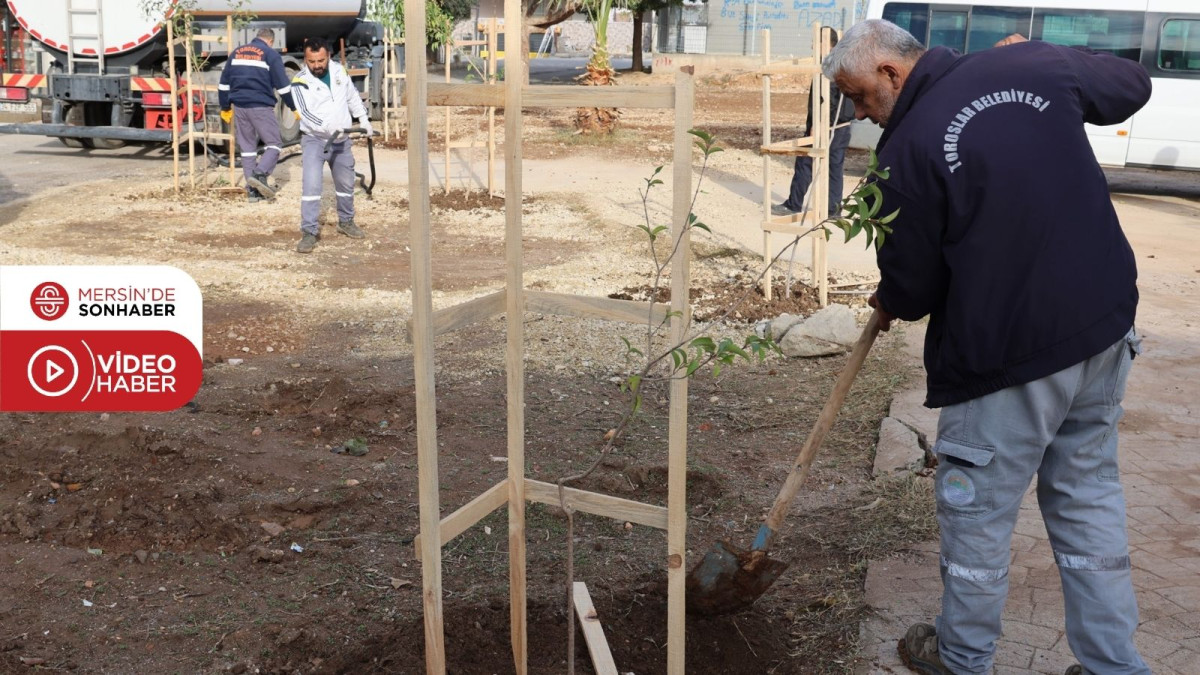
x=600, y=72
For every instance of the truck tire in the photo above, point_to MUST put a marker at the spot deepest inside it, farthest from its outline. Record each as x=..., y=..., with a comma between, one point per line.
x=92, y=115
x=105, y=114
x=64, y=114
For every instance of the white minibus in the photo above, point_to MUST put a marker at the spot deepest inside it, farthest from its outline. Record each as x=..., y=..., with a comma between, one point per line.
x=1162, y=35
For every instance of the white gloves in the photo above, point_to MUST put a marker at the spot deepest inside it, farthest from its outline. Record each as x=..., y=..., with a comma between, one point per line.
x=329, y=129
x=365, y=123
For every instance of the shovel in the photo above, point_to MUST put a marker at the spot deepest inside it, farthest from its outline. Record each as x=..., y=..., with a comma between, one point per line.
x=728, y=578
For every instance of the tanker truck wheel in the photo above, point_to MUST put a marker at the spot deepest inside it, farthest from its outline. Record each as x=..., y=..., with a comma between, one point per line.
x=70, y=115
x=95, y=115
x=105, y=114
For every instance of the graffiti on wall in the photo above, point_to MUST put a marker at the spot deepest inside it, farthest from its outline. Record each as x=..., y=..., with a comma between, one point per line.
x=781, y=14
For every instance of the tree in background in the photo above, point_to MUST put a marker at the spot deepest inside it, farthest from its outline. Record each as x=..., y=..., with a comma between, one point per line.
x=639, y=9
x=440, y=16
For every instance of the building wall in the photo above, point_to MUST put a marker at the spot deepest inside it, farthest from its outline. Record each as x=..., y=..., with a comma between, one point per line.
x=575, y=36
x=734, y=26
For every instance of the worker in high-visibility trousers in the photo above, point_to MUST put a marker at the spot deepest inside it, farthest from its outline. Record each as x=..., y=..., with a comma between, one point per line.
x=249, y=84
x=327, y=102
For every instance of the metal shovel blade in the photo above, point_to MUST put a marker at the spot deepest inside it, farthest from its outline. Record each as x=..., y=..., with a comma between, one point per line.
x=729, y=579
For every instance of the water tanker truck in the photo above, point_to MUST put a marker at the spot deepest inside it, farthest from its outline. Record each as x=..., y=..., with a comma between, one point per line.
x=110, y=80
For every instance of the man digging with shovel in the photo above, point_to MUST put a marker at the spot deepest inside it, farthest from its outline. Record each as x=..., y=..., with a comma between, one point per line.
x=1007, y=239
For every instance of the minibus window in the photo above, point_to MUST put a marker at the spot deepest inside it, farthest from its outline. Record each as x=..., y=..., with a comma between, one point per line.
x=948, y=28
x=1117, y=33
x=1179, y=46
x=989, y=25
x=911, y=16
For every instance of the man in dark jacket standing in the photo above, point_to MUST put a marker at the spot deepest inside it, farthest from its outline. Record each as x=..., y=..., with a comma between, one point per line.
x=249, y=82
x=1007, y=239
x=841, y=111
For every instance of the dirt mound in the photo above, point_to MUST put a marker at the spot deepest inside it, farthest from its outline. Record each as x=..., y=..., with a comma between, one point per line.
x=739, y=296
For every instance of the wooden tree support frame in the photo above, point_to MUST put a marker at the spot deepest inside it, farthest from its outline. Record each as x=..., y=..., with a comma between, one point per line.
x=204, y=136
x=815, y=145
x=516, y=490
x=393, y=76
x=489, y=76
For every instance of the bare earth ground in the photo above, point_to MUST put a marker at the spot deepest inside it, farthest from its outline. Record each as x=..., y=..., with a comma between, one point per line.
x=178, y=528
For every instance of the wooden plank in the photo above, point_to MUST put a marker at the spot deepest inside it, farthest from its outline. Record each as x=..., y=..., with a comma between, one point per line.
x=593, y=632
x=588, y=307
x=792, y=146
x=793, y=67
x=681, y=184
x=355, y=72
x=598, y=504
x=420, y=242
x=568, y=96
x=552, y=96
x=441, y=94
x=514, y=362
x=463, y=314
x=778, y=228
x=468, y=514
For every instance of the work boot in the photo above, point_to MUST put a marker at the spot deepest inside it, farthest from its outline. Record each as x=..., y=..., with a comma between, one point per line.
x=1075, y=670
x=253, y=196
x=782, y=210
x=919, y=650
x=307, y=243
x=348, y=228
x=258, y=181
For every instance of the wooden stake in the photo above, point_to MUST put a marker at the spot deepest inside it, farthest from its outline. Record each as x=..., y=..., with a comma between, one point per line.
x=423, y=369
x=766, y=141
x=677, y=424
x=820, y=183
x=449, y=46
x=514, y=77
x=174, y=78
x=191, y=134
x=491, y=79
x=232, y=131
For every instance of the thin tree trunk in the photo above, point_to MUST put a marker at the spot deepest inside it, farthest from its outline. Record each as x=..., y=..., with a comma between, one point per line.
x=638, y=23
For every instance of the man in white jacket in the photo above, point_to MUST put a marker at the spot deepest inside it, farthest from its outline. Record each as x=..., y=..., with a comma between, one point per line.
x=326, y=100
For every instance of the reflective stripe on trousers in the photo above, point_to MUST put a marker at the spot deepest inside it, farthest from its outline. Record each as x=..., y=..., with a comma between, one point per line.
x=341, y=165
x=250, y=125
x=1063, y=429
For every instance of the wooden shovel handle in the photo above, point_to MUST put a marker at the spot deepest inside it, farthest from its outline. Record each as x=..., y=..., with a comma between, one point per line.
x=829, y=414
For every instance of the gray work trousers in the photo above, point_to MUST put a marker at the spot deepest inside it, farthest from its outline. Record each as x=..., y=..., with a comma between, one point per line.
x=341, y=165
x=250, y=126
x=1062, y=427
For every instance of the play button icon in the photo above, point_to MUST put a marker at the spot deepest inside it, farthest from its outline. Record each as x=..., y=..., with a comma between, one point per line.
x=55, y=364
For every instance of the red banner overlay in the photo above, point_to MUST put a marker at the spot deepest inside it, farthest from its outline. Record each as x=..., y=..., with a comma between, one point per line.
x=69, y=371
